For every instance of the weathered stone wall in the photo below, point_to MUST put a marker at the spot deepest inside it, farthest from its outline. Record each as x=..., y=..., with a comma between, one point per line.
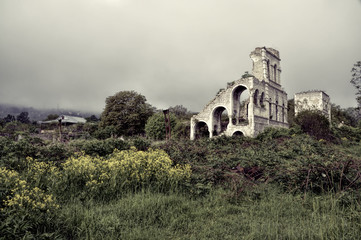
x=313, y=100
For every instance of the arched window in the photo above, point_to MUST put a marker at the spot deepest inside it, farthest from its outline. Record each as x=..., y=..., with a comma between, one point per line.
x=255, y=97
x=270, y=108
x=276, y=115
x=275, y=72
x=268, y=70
x=261, y=100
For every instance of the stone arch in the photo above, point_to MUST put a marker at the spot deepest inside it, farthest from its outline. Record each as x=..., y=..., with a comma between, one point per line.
x=201, y=130
x=238, y=134
x=220, y=120
x=239, y=104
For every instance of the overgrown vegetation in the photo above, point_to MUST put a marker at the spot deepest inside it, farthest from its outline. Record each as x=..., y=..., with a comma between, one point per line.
x=303, y=182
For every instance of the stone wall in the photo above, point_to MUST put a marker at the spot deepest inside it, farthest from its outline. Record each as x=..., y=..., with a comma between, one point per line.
x=313, y=100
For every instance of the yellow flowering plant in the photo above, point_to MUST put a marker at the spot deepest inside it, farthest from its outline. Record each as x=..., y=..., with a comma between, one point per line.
x=129, y=170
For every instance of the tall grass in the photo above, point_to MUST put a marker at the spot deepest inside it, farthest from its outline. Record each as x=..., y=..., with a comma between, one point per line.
x=274, y=215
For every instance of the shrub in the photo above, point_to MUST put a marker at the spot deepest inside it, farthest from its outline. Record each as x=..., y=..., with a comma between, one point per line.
x=98, y=147
x=155, y=126
x=140, y=143
x=314, y=123
x=26, y=211
x=123, y=171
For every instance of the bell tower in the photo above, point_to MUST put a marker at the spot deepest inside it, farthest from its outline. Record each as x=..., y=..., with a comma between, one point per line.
x=266, y=65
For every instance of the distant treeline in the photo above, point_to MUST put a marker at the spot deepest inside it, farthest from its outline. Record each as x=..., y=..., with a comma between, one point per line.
x=40, y=114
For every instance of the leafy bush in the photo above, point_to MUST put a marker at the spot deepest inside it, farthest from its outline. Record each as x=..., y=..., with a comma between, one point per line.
x=98, y=147
x=314, y=123
x=26, y=211
x=140, y=143
x=155, y=126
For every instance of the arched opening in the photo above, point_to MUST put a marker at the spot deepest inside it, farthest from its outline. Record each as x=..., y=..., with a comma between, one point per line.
x=255, y=97
x=240, y=102
x=238, y=134
x=270, y=108
x=261, y=100
x=268, y=70
x=283, y=112
x=275, y=72
x=276, y=114
x=220, y=120
x=202, y=130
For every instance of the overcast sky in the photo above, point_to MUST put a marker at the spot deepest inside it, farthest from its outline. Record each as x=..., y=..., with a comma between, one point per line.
x=75, y=53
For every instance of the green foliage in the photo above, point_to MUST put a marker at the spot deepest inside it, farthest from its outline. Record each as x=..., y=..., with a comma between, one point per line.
x=356, y=80
x=273, y=215
x=314, y=123
x=96, y=147
x=347, y=133
x=182, y=130
x=180, y=112
x=123, y=171
x=26, y=211
x=104, y=132
x=342, y=116
x=291, y=111
x=23, y=117
x=127, y=111
x=155, y=126
x=140, y=143
x=92, y=118
x=51, y=117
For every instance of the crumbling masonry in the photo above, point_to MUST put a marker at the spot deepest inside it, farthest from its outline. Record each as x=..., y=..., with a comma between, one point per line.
x=230, y=113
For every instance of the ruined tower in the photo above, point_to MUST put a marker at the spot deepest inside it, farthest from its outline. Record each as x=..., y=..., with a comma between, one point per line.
x=313, y=100
x=231, y=113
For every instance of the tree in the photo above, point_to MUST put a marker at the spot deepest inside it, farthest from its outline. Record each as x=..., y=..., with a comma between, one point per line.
x=356, y=81
x=23, y=117
x=127, y=111
x=314, y=123
x=51, y=117
x=92, y=118
x=9, y=118
x=180, y=111
x=155, y=127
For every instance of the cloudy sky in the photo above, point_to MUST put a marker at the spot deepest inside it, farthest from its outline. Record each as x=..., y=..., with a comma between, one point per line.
x=75, y=53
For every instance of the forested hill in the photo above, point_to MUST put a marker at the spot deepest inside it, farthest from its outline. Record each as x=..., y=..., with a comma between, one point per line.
x=40, y=114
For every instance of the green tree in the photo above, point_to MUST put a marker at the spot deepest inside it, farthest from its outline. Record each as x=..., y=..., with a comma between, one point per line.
x=155, y=127
x=92, y=118
x=23, y=117
x=51, y=117
x=314, y=123
x=127, y=111
x=9, y=118
x=356, y=80
x=181, y=112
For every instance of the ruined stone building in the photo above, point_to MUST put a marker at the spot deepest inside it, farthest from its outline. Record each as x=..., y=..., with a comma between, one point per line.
x=248, y=105
x=313, y=100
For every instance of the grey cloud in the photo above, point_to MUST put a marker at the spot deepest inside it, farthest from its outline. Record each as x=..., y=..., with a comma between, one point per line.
x=76, y=53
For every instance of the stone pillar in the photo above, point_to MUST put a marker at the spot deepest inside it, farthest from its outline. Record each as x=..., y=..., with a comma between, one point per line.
x=210, y=129
x=193, y=128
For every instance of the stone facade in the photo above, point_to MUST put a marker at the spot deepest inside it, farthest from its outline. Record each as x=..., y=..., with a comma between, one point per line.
x=313, y=100
x=230, y=114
